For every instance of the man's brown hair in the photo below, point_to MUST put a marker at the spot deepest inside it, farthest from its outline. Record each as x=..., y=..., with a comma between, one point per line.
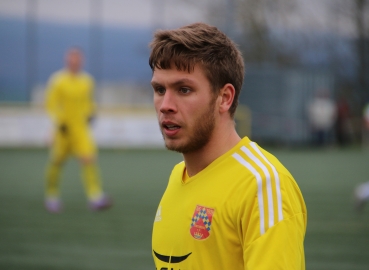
x=202, y=44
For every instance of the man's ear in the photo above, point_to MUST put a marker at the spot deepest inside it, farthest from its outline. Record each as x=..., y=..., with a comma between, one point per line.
x=226, y=97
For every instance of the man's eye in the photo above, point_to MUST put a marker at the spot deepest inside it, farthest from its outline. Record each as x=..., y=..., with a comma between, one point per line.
x=160, y=90
x=184, y=90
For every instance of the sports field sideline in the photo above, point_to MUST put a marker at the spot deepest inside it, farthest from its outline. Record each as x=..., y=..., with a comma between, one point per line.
x=120, y=238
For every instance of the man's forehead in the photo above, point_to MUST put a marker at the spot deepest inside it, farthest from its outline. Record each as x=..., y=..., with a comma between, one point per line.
x=174, y=71
x=161, y=76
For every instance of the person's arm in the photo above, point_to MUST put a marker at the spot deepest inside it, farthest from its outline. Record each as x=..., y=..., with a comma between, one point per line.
x=52, y=104
x=91, y=104
x=279, y=246
x=52, y=99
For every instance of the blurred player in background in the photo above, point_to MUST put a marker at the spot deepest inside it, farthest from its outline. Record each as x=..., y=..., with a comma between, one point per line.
x=230, y=204
x=69, y=102
x=361, y=191
x=365, y=126
x=322, y=116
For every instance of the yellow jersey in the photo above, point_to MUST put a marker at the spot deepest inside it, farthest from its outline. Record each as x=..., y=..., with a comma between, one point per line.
x=243, y=211
x=69, y=97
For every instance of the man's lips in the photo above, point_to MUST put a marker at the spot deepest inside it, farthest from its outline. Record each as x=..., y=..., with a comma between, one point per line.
x=170, y=128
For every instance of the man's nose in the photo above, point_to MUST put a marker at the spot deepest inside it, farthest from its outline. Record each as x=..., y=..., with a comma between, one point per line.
x=168, y=103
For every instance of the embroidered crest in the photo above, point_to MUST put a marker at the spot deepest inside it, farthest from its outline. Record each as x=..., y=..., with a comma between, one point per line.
x=201, y=222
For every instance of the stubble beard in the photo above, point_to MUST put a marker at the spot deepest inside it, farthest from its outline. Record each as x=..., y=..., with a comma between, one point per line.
x=199, y=137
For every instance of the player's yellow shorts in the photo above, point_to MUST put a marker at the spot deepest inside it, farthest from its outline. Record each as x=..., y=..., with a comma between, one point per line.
x=76, y=140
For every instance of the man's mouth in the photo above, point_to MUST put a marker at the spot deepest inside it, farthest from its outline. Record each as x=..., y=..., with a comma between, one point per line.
x=171, y=127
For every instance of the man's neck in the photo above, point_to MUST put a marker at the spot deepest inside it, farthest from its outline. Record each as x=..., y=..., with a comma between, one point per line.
x=73, y=72
x=219, y=144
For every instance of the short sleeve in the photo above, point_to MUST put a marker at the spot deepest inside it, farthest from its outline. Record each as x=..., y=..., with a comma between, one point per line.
x=281, y=247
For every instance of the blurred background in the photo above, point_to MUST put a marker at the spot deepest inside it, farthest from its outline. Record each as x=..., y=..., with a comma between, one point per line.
x=293, y=49
x=296, y=52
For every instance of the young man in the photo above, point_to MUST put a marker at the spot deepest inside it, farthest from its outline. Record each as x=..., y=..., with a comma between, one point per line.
x=229, y=204
x=69, y=102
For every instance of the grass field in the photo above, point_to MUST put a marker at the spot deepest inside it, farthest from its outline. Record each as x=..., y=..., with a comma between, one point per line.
x=120, y=238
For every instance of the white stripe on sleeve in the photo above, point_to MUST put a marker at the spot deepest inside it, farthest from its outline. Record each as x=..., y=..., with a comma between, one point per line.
x=260, y=188
x=277, y=182
x=268, y=183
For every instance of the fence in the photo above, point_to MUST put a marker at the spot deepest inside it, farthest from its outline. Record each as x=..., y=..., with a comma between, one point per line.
x=278, y=101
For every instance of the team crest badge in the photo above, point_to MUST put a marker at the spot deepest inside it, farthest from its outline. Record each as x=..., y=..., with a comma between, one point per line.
x=201, y=222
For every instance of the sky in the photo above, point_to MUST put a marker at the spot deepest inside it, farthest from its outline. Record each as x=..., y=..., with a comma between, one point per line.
x=311, y=14
x=142, y=13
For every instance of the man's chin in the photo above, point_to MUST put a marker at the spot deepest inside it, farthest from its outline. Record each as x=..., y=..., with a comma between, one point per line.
x=183, y=148
x=174, y=147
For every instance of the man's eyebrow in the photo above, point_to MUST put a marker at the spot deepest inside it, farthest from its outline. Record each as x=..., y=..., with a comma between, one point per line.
x=155, y=84
x=175, y=83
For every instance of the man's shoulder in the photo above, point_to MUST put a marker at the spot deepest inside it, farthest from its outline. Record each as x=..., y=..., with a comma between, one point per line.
x=254, y=159
x=178, y=167
x=63, y=74
x=86, y=76
x=57, y=75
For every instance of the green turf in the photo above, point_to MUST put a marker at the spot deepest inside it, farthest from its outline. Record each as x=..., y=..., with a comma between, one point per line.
x=120, y=238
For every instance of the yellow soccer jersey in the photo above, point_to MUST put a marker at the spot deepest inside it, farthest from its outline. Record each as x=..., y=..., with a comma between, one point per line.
x=69, y=97
x=243, y=211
